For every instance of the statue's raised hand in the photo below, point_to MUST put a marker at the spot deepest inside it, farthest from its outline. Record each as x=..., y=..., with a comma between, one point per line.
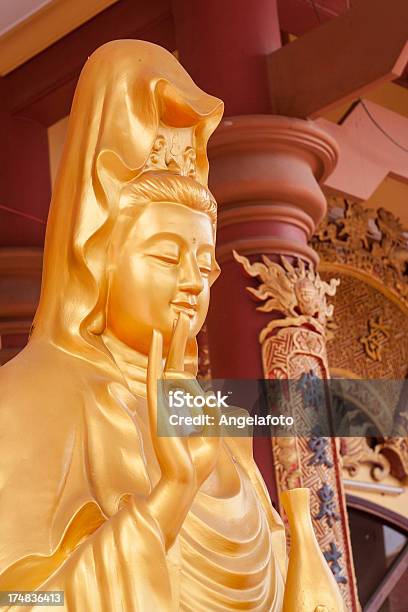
x=185, y=461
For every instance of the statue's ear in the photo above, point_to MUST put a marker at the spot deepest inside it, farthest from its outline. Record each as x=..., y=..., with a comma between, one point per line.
x=108, y=178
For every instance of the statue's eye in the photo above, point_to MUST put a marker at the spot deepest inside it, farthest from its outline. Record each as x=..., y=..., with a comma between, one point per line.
x=205, y=271
x=166, y=251
x=204, y=263
x=169, y=259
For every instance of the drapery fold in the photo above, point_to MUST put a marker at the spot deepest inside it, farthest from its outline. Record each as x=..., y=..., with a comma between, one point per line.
x=73, y=512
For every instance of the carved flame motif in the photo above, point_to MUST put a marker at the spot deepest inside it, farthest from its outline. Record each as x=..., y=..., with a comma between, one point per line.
x=295, y=291
x=170, y=154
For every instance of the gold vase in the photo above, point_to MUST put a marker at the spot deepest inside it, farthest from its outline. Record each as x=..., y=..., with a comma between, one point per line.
x=310, y=584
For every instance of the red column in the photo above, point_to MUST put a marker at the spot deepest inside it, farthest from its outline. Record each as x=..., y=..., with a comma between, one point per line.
x=265, y=174
x=224, y=44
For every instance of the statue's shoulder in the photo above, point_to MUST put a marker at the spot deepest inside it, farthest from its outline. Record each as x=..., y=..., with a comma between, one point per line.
x=36, y=385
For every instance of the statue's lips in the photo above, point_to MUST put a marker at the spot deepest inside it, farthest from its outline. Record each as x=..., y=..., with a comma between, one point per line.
x=189, y=309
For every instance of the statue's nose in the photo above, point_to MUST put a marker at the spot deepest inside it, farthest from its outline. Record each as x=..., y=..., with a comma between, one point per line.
x=190, y=279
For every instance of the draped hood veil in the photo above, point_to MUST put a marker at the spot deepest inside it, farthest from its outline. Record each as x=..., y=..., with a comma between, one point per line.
x=127, y=88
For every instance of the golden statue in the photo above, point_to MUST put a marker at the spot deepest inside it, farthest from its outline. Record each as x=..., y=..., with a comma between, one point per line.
x=92, y=501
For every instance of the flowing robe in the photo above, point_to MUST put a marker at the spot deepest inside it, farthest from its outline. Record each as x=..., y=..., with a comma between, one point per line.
x=76, y=468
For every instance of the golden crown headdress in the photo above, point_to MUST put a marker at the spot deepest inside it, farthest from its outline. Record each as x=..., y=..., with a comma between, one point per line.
x=173, y=151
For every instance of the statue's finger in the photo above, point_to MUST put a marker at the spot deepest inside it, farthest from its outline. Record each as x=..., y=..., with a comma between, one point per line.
x=178, y=343
x=154, y=373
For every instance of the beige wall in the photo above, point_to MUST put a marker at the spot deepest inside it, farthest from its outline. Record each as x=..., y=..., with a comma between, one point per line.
x=391, y=194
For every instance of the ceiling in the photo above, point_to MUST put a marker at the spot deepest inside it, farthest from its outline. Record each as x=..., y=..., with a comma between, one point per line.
x=12, y=13
x=27, y=27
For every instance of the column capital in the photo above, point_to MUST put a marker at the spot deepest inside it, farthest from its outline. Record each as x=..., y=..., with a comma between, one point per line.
x=268, y=169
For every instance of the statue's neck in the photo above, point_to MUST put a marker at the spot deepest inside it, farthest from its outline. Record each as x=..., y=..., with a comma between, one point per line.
x=133, y=364
x=130, y=362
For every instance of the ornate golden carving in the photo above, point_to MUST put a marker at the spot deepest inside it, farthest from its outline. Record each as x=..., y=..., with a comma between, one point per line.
x=378, y=334
x=297, y=292
x=371, y=241
x=388, y=456
x=365, y=297
x=293, y=351
x=294, y=344
x=372, y=284
x=356, y=451
x=173, y=151
x=396, y=452
x=287, y=462
x=371, y=250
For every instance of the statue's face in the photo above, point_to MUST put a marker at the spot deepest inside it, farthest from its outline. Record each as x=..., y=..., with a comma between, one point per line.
x=163, y=267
